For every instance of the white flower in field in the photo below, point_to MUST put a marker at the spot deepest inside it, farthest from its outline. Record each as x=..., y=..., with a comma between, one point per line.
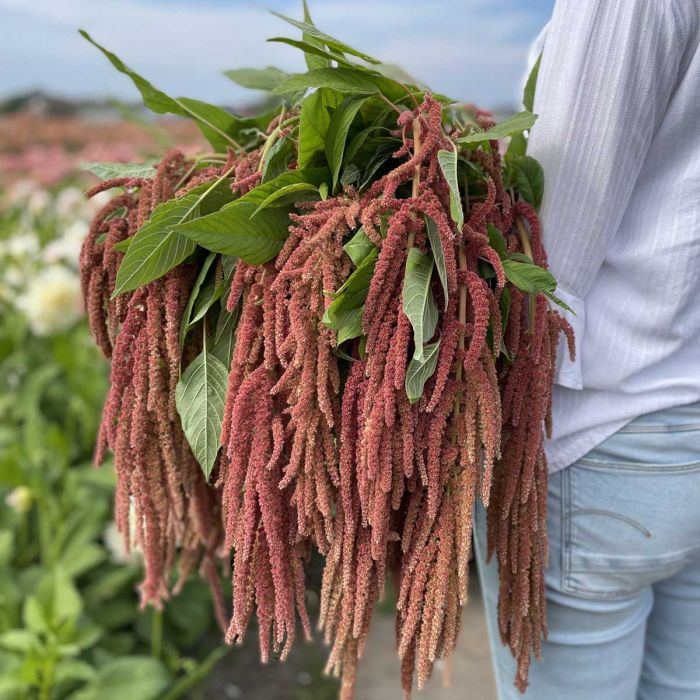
x=52, y=301
x=14, y=276
x=37, y=202
x=20, y=191
x=22, y=245
x=19, y=499
x=67, y=247
x=70, y=202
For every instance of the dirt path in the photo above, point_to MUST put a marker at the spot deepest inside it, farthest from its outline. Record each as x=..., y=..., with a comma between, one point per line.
x=241, y=676
x=470, y=672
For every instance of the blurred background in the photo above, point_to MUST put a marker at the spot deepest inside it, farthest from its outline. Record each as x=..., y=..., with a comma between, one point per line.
x=69, y=620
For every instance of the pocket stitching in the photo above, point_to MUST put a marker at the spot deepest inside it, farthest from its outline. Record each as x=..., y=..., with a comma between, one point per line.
x=639, y=466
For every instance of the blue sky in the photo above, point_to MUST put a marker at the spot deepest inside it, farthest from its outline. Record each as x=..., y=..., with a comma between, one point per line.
x=472, y=50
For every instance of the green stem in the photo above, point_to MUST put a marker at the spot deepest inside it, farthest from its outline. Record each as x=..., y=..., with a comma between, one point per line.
x=196, y=676
x=47, y=676
x=272, y=138
x=204, y=121
x=157, y=634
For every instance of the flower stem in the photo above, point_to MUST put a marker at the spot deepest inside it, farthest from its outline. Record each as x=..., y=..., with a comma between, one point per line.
x=527, y=249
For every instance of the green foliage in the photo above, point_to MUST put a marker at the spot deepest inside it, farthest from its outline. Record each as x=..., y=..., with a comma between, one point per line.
x=106, y=171
x=528, y=178
x=418, y=300
x=231, y=232
x=157, y=246
x=219, y=127
x=359, y=246
x=438, y=253
x=508, y=127
x=287, y=194
x=530, y=85
x=200, y=398
x=337, y=133
x=70, y=626
x=525, y=275
x=310, y=31
x=313, y=126
x=266, y=79
x=448, y=164
x=420, y=370
x=344, y=314
x=133, y=677
x=339, y=125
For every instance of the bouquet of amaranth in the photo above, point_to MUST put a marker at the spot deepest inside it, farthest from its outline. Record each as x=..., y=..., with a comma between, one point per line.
x=333, y=332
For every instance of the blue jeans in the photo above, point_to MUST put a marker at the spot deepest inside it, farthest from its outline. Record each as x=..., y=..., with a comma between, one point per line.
x=623, y=579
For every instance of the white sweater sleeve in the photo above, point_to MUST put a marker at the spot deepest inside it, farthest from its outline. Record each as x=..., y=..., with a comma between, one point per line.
x=608, y=71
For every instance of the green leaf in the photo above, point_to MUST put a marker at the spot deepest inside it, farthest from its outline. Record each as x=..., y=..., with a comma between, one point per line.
x=513, y=125
x=418, y=301
x=232, y=232
x=559, y=302
x=19, y=640
x=420, y=370
x=438, y=253
x=309, y=176
x=530, y=85
x=529, y=277
x=504, y=304
x=157, y=247
x=266, y=79
x=359, y=139
x=210, y=294
x=348, y=81
x=352, y=294
x=123, y=246
x=225, y=335
x=315, y=51
x=349, y=324
x=448, y=165
x=277, y=159
x=386, y=147
x=314, y=123
x=187, y=313
x=528, y=179
x=132, y=677
x=55, y=602
x=357, y=284
x=337, y=133
x=359, y=246
x=107, y=171
x=335, y=44
x=287, y=195
x=313, y=61
x=351, y=175
x=70, y=670
x=199, y=397
x=496, y=240
x=218, y=126
x=517, y=145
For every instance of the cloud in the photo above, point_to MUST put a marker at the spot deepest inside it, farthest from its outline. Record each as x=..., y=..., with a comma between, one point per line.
x=470, y=49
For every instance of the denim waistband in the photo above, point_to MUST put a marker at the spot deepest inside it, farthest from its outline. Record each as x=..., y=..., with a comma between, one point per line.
x=685, y=417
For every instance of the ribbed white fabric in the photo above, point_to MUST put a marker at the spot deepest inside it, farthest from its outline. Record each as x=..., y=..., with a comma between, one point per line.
x=618, y=136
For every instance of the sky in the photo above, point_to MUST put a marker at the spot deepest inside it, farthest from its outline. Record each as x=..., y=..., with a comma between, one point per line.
x=472, y=50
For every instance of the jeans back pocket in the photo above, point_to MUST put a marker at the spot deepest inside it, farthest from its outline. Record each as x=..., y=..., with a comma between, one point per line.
x=628, y=511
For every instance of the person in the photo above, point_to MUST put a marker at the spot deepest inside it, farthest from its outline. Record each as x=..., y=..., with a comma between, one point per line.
x=618, y=137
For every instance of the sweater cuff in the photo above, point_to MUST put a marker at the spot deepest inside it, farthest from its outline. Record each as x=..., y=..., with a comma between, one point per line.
x=569, y=373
